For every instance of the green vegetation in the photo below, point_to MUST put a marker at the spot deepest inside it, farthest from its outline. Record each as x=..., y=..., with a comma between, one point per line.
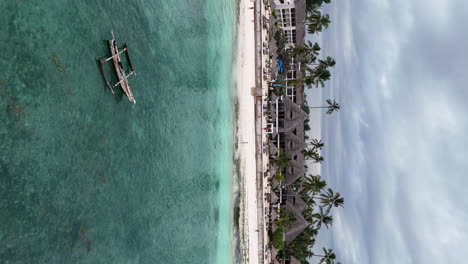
x=277, y=240
x=313, y=184
x=306, y=125
x=283, y=52
x=312, y=189
x=317, y=22
x=300, y=246
x=312, y=5
x=322, y=217
x=279, y=176
x=282, y=161
x=305, y=108
x=281, y=42
x=283, y=223
x=327, y=257
x=329, y=199
x=317, y=215
x=315, y=71
x=313, y=155
x=307, y=51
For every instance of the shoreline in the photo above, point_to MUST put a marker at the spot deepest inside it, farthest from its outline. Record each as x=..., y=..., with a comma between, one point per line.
x=250, y=137
x=245, y=152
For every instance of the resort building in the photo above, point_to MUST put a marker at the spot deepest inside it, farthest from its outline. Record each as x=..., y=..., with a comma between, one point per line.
x=291, y=18
x=287, y=117
x=286, y=126
x=289, y=137
x=290, y=15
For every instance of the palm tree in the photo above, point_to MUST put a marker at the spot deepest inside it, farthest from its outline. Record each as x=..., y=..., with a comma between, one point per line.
x=313, y=184
x=327, y=62
x=309, y=51
x=304, y=67
x=308, y=153
x=328, y=256
x=317, y=144
x=322, y=218
x=285, y=221
x=319, y=75
x=301, y=81
x=300, y=246
x=312, y=5
x=329, y=199
x=317, y=22
x=317, y=158
x=332, y=106
x=282, y=161
x=313, y=155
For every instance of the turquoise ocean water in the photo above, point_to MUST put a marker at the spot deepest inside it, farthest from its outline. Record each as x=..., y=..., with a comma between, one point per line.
x=88, y=177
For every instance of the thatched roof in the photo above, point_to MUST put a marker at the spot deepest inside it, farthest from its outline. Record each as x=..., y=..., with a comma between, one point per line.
x=274, y=215
x=294, y=144
x=273, y=169
x=274, y=252
x=274, y=198
x=299, y=204
x=274, y=183
x=294, y=260
x=273, y=149
x=297, y=227
x=272, y=109
x=299, y=171
x=294, y=116
x=274, y=227
x=300, y=20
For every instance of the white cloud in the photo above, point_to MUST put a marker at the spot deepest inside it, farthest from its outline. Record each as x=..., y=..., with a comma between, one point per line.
x=438, y=11
x=397, y=150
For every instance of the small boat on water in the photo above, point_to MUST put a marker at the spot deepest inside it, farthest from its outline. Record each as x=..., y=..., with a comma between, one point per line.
x=119, y=69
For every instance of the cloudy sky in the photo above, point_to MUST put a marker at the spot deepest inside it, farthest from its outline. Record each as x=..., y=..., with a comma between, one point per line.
x=398, y=149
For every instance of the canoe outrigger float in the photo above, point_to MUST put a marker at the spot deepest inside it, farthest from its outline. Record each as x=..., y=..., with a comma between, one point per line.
x=122, y=76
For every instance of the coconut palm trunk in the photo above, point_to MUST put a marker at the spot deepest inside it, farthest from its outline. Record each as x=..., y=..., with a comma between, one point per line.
x=333, y=106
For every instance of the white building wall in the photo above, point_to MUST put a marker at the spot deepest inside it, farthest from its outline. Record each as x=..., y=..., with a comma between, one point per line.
x=285, y=16
x=283, y=3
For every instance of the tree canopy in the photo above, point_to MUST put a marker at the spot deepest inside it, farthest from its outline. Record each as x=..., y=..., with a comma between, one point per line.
x=317, y=22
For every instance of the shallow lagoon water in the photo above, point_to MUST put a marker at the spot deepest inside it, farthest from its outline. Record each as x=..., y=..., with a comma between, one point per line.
x=88, y=177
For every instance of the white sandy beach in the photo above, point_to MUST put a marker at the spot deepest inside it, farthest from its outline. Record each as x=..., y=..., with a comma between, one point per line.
x=245, y=71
